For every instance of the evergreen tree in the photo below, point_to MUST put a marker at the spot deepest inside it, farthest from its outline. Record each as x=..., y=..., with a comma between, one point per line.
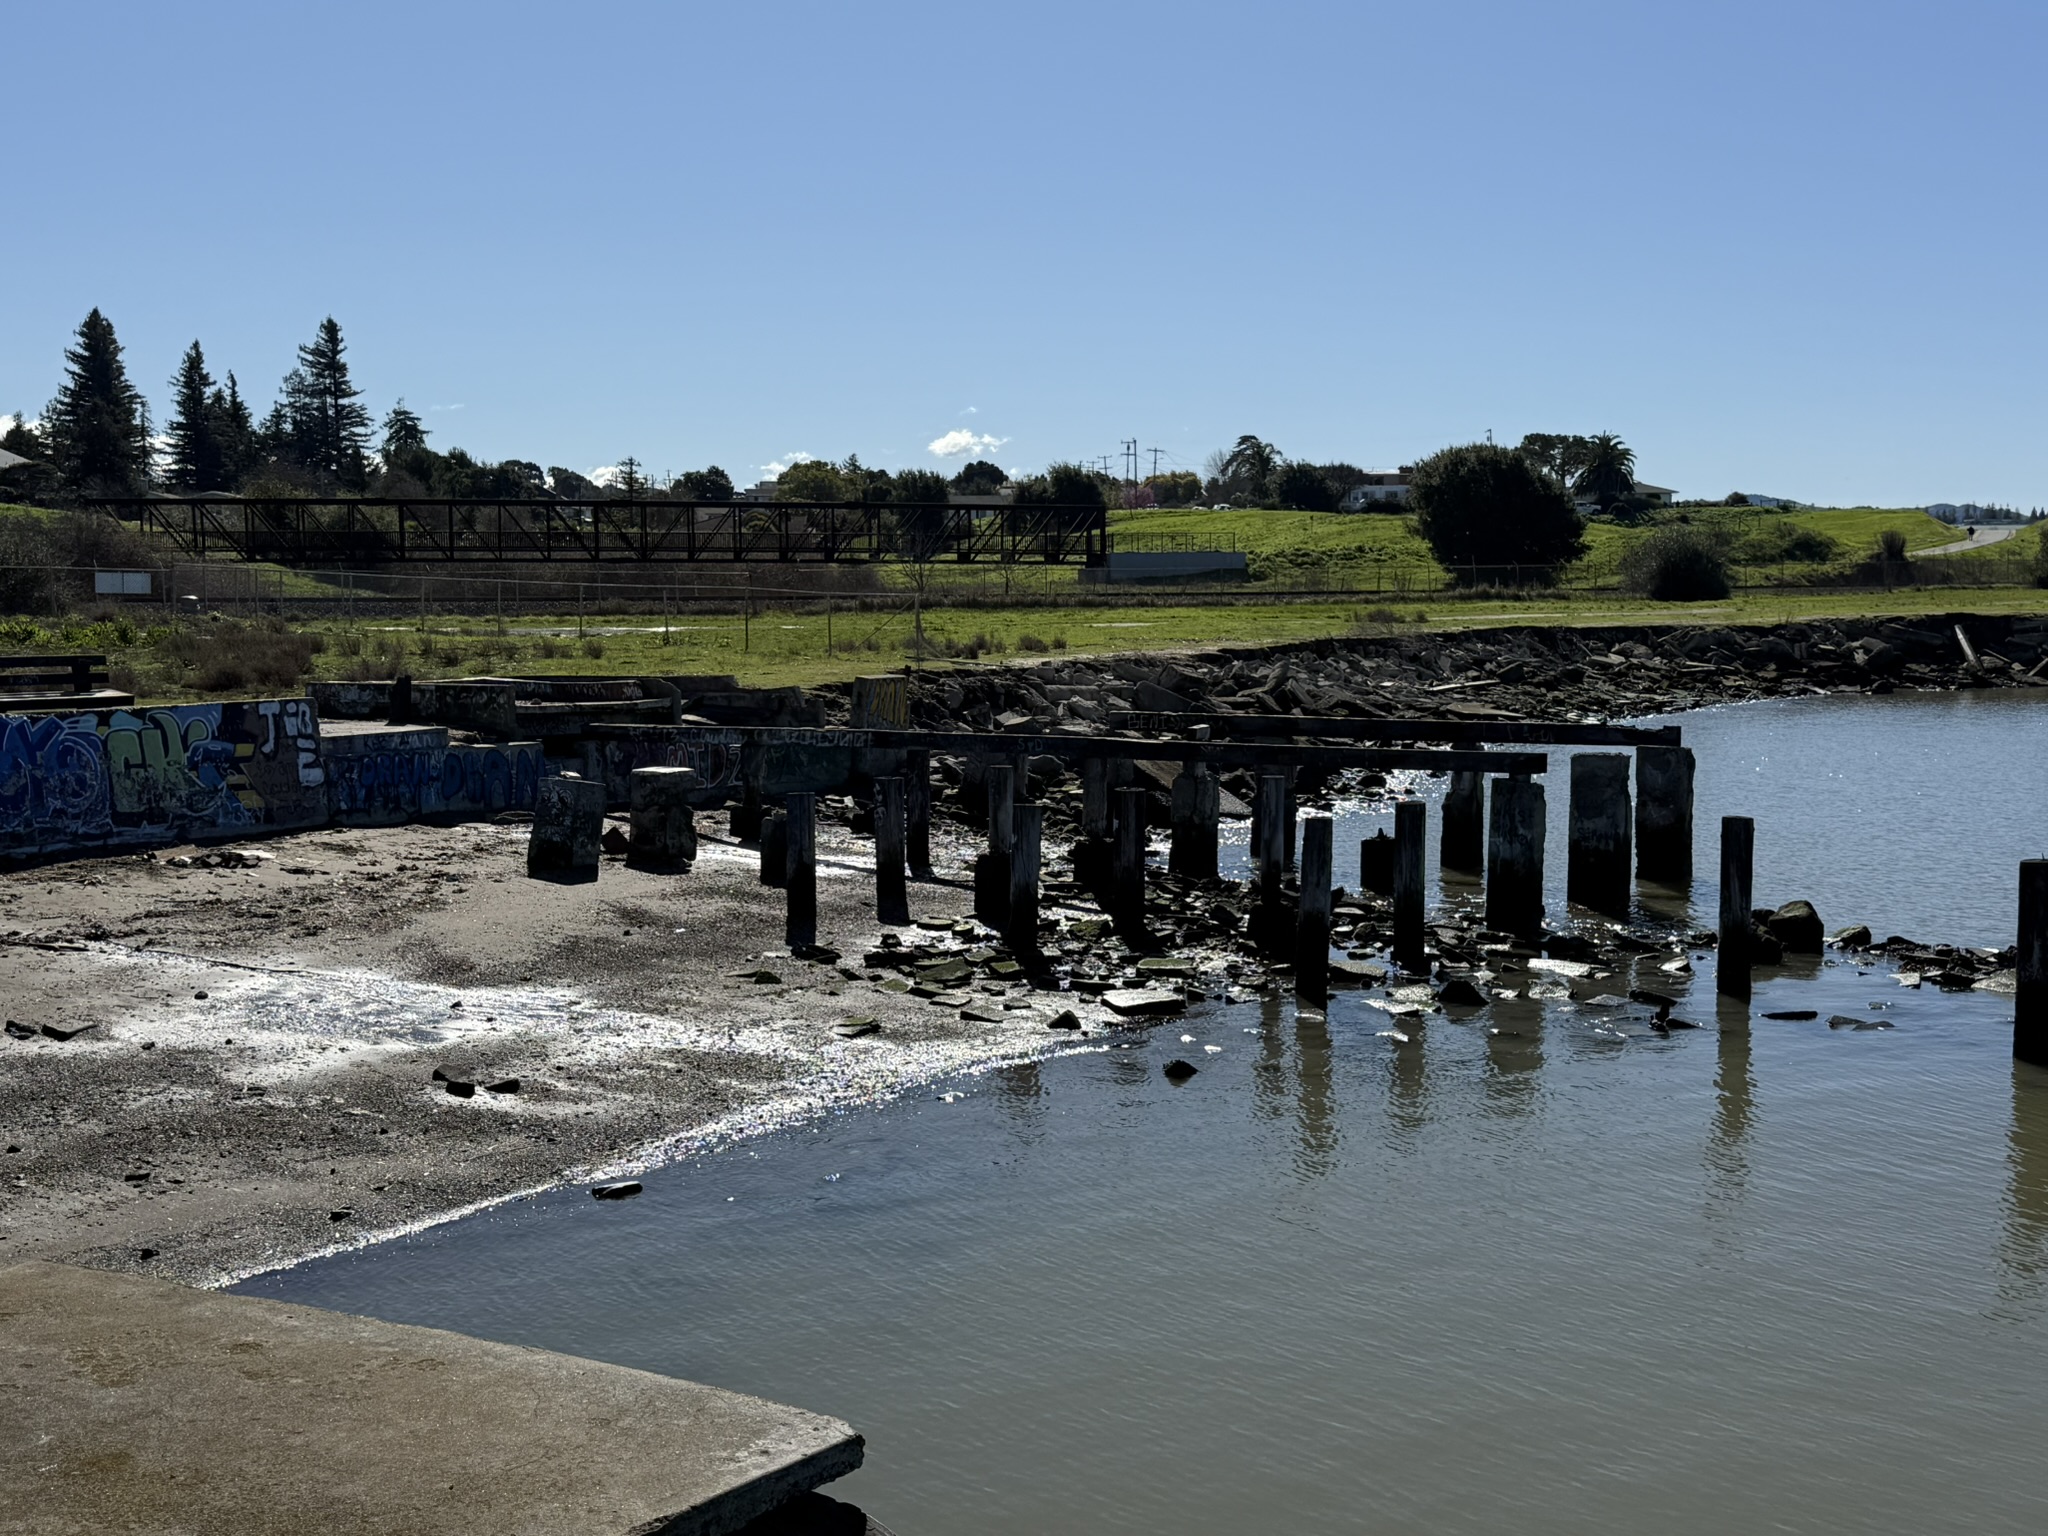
x=196, y=463
x=404, y=432
x=329, y=426
x=235, y=431
x=98, y=426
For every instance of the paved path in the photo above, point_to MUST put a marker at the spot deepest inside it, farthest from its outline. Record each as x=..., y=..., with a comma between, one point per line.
x=1995, y=533
x=134, y=1406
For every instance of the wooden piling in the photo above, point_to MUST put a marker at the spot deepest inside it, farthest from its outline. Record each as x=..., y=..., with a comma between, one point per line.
x=1312, y=912
x=1664, y=814
x=1022, y=930
x=892, y=895
x=1096, y=814
x=917, y=809
x=992, y=870
x=774, y=835
x=2030, y=1005
x=1129, y=868
x=1732, y=955
x=1411, y=828
x=1289, y=814
x=1601, y=833
x=1463, y=842
x=1514, y=857
x=1195, y=823
x=1271, y=850
x=801, y=871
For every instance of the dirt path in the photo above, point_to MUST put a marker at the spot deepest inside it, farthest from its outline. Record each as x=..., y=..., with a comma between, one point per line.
x=1997, y=533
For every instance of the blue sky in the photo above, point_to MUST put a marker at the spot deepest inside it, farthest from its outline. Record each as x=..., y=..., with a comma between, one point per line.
x=1785, y=247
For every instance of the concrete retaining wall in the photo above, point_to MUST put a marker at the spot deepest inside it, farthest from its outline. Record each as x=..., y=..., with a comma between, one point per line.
x=383, y=778
x=1181, y=565
x=117, y=777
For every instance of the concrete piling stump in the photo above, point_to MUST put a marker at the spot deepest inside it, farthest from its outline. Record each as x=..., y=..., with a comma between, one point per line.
x=1602, y=825
x=2030, y=1005
x=1312, y=912
x=1732, y=954
x=1514, y=857
x=1129, y=870
x=1411, y=827
x=663, y=828
x=892, y=895
x=568, y=825
x=1664, y=814
x=1196, y=816
x=1022, y=930
x=800, y=870
x=1462, y=846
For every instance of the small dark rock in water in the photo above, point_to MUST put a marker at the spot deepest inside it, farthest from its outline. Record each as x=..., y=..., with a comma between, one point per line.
x=1178, y=1071
x=625, y=1189
x=503, y=1085
x=1459, y=992
x=200, y=996
x=1847, y=1021
x=1066, y=1018
x=1794, y=1014
x=1671, y=1023
x=1857, y=937
x=1797, y=927
x=1649, y=999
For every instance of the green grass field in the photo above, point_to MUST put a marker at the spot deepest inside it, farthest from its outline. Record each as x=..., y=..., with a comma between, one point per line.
x=183, y=659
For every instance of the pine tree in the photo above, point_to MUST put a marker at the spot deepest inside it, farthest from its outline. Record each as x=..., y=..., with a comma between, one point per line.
x=329, y=424
x=195, y=459
x=98, y=426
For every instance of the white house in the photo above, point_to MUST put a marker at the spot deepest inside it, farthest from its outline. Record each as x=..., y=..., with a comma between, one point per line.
x=1380, y=487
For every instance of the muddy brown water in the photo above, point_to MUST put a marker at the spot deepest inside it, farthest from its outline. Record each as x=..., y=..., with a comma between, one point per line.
x=1532, y=1270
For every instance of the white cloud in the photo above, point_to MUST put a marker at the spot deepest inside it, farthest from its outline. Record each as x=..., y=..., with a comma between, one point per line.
x=788, y=461
x=960, y=442
x=972, y=410
x=434, y=408
x=605, y=475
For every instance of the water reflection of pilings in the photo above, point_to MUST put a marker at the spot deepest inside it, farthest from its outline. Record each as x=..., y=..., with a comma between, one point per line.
x=1022, y=1093
x=1734, y=1107
x=1307, y=1094
x=2023, y=1249
x=1316, y=1151
x=1514, y=1057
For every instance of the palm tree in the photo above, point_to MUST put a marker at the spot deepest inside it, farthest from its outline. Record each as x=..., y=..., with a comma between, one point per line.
x=1607, y=470
x=1251, y=460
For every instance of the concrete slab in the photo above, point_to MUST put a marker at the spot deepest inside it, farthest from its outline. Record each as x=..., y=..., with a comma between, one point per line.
x=137, y=1406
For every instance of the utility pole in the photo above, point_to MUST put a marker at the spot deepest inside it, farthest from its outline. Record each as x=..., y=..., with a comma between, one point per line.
x=1155, y=452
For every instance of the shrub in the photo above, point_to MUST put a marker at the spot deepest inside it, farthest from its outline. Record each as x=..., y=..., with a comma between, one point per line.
x=594, y=647
x=1059, y=642
x=552, y=647
x=1032, y=643
x=231, y=658
x=1482, y=505
x=1891, y=546
x=1782, y=543
x=1677, y=565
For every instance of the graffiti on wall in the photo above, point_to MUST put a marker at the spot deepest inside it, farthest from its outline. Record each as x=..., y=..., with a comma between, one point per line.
x=148, y=775
x=395, y=775
x=713, y=752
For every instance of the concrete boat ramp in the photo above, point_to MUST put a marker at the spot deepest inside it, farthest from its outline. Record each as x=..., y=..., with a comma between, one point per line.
x=131, y=1405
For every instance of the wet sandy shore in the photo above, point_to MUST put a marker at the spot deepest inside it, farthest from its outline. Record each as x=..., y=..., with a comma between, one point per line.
x=257, y=1083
